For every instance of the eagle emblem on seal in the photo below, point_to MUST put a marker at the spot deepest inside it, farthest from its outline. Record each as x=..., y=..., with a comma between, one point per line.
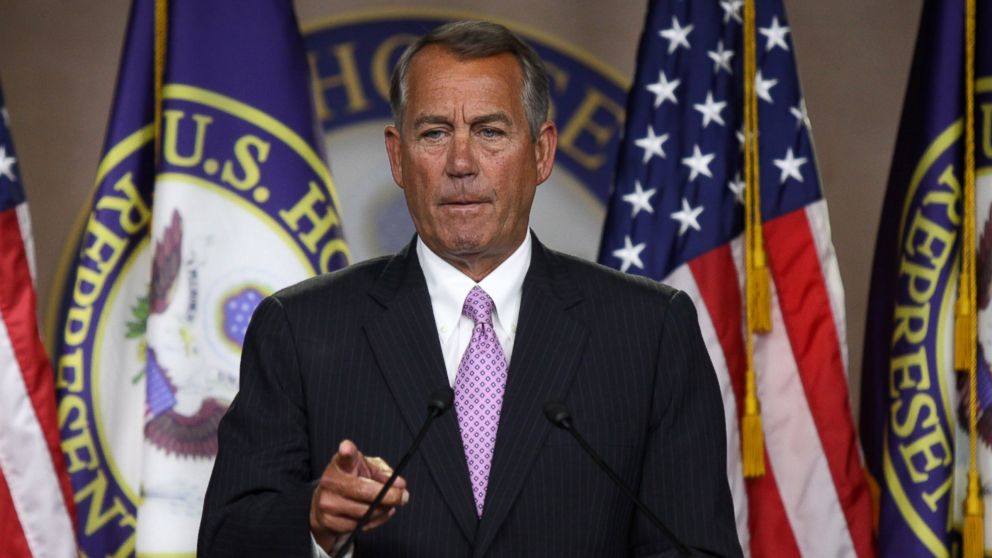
x=184, y=434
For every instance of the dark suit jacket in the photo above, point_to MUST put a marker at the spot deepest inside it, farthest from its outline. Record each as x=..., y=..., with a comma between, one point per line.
x=355, y=354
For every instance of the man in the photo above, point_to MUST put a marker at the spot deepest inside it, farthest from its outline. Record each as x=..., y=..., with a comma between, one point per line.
x=344, y=363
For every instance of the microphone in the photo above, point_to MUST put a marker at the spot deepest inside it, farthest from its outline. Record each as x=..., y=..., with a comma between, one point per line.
x=440, y=401
x=558, y=415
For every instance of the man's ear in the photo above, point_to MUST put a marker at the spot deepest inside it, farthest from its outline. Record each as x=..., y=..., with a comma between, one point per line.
x=394, y=151
x=545, y=149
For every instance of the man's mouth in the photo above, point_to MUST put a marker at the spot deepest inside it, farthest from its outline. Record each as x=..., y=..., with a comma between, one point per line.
x=464, y=203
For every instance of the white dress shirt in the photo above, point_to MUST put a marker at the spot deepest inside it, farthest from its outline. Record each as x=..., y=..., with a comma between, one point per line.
x=448, y=287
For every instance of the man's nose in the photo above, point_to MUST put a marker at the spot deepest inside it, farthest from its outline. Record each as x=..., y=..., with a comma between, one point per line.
x=461, y=156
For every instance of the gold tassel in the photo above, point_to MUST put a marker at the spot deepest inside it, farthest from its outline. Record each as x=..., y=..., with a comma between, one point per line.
x=876, y=501
x=762, y=318
x=752, y=433
x=974, y=519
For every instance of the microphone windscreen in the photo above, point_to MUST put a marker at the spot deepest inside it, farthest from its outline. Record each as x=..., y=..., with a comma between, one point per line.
x=441, y=400
x=557, y=413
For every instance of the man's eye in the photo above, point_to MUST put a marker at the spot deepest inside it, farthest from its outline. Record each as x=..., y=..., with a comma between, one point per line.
x=491, y=133
x=433, y=135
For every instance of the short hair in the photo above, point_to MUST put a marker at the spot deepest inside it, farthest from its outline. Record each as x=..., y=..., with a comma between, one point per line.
x=470, y=40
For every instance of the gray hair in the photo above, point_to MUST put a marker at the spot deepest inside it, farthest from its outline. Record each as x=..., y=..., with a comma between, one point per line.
x=469, y=40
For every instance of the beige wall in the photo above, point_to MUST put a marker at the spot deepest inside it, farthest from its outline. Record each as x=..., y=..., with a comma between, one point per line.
x=58, y=62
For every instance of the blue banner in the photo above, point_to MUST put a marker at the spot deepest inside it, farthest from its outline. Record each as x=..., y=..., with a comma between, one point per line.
x=913, y=401
x=179, y=248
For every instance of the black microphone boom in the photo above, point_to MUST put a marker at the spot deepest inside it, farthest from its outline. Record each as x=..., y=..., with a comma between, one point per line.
x=559, y=416
x=439, y=402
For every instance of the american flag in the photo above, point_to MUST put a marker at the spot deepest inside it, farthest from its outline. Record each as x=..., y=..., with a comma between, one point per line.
x=35, y=496
x=676, y=214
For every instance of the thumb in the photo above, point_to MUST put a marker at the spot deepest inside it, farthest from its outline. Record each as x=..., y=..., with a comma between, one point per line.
x=348, y=459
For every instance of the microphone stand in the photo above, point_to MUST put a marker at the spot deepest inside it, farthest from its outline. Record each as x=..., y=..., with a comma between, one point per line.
x=440, y=402
x=558, y=415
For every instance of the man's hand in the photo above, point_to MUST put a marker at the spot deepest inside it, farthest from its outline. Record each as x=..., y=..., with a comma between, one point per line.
x=346, y=488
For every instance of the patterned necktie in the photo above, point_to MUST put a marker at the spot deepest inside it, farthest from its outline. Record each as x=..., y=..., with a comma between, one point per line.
x=479, y=387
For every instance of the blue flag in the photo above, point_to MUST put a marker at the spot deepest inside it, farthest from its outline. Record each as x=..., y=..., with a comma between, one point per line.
x=677, y=214
x=913, y=404
x=179, y=247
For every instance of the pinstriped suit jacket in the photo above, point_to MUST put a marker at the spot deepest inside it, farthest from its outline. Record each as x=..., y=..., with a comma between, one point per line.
x=355, y=354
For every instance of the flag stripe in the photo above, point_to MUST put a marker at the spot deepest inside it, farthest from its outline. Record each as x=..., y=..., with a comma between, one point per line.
x=21, y=319
x=770, y=528
x=683, y=278
x=805, y=306
x=772, y=536
x=27, y=238
x=29, y=451
x=819, y=223
x=722, y=299
x=33, y=357
x=11, y=533
x=804, y=480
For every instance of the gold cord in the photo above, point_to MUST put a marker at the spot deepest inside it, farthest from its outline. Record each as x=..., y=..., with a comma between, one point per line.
x=966, y=323
x=756, y=281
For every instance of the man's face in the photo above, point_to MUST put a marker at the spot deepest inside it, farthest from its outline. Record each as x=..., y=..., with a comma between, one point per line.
x=465, y=158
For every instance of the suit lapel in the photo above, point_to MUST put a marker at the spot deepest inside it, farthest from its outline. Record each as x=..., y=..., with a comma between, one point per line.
x=547, y=348
x=404, y=340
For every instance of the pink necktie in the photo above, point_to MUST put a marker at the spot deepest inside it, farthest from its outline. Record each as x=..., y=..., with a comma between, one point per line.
x=479, y=387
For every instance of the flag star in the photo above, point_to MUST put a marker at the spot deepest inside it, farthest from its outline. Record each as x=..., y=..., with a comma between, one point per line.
x=721, y=58
x=740, y=137
x=651, y=144
x=640, y=199
x=676, y=35
x=699, y=163
x=630, y=254
x=764, y=87
x=664, y=90
x=5, y=116
x=731, y=10
x=687, y=217
x=711, y=110
x=7, y=164
x=799, y=111
x=790, y=166
x=737, y=187
x=776, y=35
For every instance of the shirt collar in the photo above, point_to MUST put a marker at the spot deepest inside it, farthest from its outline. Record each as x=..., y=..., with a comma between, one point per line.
x=448, y=287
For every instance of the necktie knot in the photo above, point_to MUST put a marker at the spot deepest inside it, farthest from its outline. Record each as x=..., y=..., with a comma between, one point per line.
x=478, y=306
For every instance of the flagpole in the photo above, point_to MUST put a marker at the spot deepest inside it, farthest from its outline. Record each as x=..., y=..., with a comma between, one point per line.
x=161, y=42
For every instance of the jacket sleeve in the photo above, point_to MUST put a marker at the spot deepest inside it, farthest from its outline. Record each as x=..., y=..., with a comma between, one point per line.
x=684, y=475
x=258, y=499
